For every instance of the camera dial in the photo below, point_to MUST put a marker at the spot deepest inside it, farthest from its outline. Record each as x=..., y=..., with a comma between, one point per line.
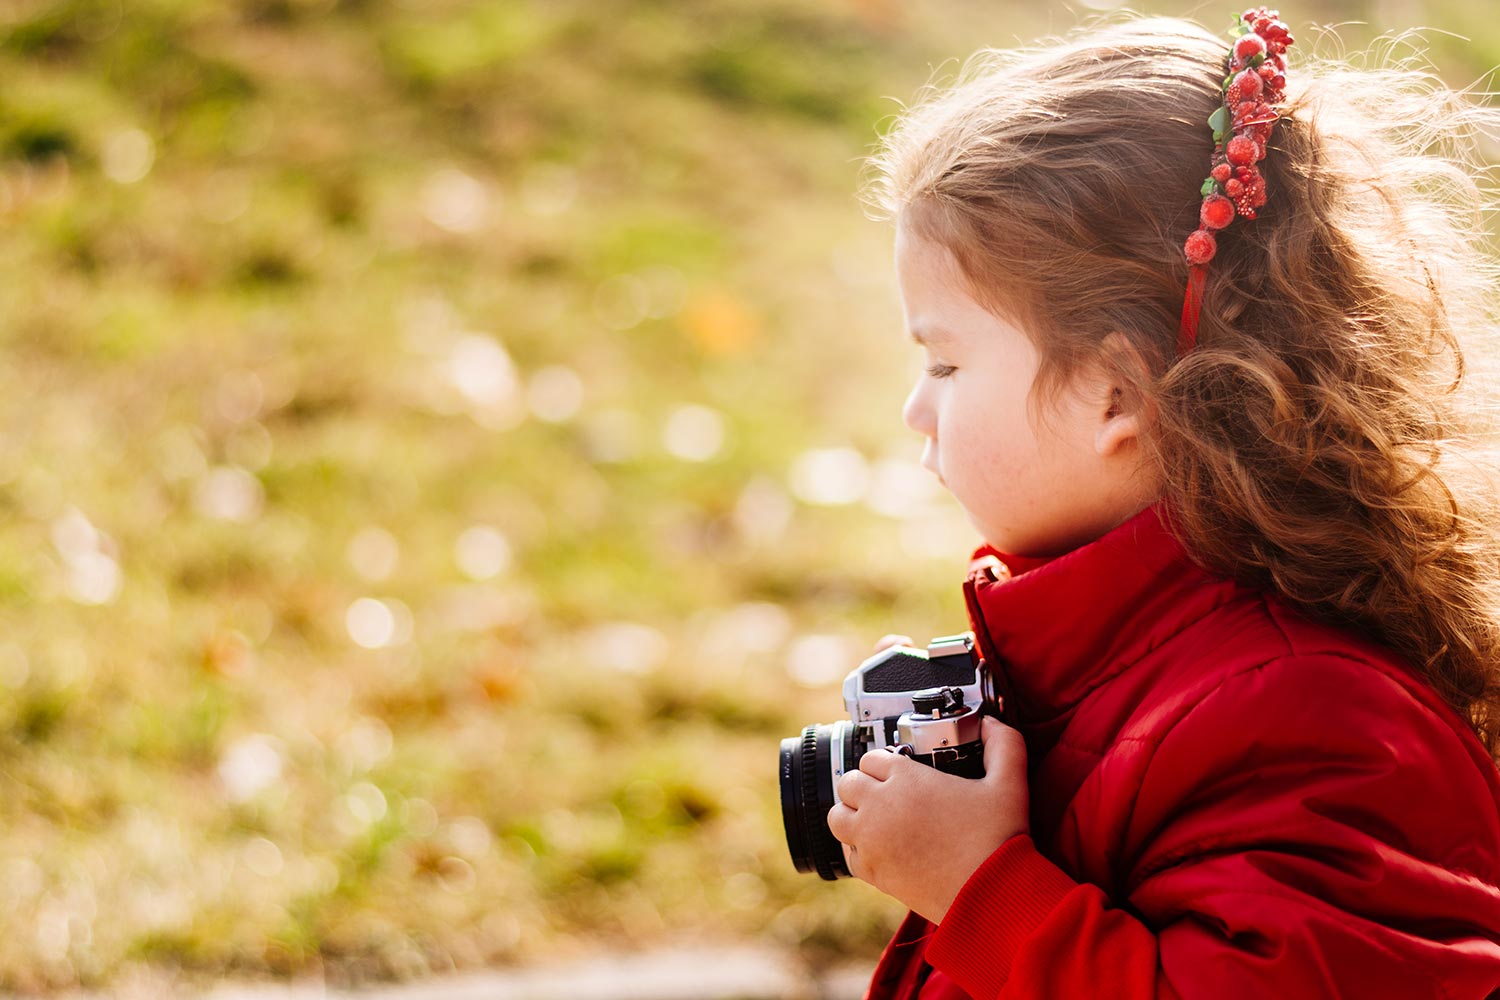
x=943, y=732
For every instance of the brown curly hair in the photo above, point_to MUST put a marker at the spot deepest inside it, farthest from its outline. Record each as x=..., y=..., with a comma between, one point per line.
x=1324, y=438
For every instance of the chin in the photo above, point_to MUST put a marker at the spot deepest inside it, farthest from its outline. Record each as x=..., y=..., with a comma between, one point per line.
x=1027, y=546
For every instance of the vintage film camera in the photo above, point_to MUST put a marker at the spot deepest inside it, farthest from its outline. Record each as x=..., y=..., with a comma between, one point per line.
x=923, y=703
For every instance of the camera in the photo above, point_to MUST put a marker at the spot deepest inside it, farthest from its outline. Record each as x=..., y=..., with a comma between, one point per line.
x=923, y=703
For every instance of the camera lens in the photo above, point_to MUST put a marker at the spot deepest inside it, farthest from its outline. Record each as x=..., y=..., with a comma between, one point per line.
x=810, y=764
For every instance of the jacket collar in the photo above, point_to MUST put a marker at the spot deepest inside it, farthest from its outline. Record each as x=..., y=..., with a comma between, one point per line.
x=1053, y=629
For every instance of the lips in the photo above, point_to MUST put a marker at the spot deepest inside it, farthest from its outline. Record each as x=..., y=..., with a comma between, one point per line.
x=929, y=461
x=932, y=468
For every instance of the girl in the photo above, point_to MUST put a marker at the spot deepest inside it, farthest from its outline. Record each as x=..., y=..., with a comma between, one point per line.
x=1198, y=387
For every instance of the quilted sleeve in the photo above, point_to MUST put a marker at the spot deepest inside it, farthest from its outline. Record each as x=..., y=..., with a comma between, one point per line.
x=1311, y=828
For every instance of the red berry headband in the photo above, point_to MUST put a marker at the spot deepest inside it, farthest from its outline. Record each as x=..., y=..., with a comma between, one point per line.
x=1242, y=127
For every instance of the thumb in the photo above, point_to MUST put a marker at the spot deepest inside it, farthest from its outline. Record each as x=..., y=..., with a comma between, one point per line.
x=1004, y=749
x=887, y=641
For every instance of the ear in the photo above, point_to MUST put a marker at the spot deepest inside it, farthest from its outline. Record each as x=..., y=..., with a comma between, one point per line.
x=1117, y=433
x=1124, y=413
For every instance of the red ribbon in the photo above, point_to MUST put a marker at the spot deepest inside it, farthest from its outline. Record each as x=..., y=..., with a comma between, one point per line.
x=1192, y=304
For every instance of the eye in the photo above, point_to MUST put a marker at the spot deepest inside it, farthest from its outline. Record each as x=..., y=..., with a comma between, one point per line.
x=940, y=371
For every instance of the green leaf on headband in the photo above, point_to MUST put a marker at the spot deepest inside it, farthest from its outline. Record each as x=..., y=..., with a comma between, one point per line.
x=1239, y=28
x=1209, y=187
x=1219, y=121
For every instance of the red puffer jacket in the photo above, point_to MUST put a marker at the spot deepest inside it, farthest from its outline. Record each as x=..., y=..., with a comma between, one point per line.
x=1227, y=800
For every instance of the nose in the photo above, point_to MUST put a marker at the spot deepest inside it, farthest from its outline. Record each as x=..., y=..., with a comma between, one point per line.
x=917, y=413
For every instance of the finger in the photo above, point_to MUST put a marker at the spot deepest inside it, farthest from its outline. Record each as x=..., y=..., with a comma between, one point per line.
x=887, y=641
x=879, y=764
x=851, y=788
x=998, y=569
x=841, y=823
x=1004, y=748
x=854, y=862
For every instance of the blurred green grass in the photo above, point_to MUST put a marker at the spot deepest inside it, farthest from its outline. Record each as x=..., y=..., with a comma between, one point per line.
x=443, y=447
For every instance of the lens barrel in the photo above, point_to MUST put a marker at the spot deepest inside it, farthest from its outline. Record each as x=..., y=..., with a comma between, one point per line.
x=808, y=766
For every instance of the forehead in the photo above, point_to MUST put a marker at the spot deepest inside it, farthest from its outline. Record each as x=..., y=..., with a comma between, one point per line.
x=935, y=294
x=926, y=261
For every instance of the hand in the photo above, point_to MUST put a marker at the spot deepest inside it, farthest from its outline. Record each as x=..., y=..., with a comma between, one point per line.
x=916, y=833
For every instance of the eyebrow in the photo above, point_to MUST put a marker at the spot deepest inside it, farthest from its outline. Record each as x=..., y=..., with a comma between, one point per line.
x=926, y=335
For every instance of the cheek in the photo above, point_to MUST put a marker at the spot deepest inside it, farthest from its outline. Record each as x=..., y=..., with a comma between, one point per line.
x=979, y=450
x=988, y=423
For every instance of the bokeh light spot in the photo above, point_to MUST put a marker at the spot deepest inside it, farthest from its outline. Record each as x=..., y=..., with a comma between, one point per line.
x=482, y=552
x=128, y=155
x=227, y=493
x=830, y=476
x=817, y=660
x=555, y=394
x=373, y=553
x=454, y=201
x=248, y=766
x=694, y=433
x=376, y=624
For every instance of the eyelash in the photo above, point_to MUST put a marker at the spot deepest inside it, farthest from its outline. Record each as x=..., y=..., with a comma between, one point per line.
x=940, y=371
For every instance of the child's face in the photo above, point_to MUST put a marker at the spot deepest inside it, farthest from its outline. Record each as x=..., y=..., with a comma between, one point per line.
x=1029, y=490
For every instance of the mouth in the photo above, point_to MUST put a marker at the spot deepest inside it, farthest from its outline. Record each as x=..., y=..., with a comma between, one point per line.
x=929, y=462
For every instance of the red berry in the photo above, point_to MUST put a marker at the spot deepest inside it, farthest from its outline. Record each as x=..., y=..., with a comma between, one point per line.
x=1277, y=29
x=1266, y=71
x=1277, y=83
x=1221, y=173
x=1248, y=47
x=1261, y=25
x=1251, y=13
x=1234, y=188
x=1241, y=150
x=1216, y=212
x=1250, y=84
x=1200, y=247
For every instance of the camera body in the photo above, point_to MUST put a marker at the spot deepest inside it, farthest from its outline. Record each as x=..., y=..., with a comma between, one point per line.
x=923, y=703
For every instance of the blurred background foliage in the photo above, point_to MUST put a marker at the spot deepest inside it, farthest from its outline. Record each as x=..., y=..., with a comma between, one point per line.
x=443, y=447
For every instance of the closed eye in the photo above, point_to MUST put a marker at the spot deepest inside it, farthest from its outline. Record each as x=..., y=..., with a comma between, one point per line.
x=941, y=371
